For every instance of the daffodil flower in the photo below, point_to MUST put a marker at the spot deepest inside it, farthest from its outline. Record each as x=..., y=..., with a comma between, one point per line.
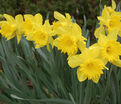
x=12, y=27
x=89, y=64
x=110, y=19
x=110, y=48
x=69, y=35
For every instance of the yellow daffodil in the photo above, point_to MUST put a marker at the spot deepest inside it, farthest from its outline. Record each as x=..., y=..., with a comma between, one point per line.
x=31, y=23
x=99, y=31
x=69, y=34
x=71, y=41
x=110, y=48
x=63, y=25
x=66, y=43
x=12, y=27
x=43, y=36
x=36, y=31
x=110, y=19
x=89, y=64
x=107, y=12
x=40, y=38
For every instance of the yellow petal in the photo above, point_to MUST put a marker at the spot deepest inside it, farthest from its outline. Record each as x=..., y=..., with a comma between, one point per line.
x=99, y=31
x=74, y=61
x=55, y=42
x=28, y=16
x=19, y=19
x=9, y=18
x=18, y=38
x=106, y=68
x=59, y=16
x=51, y=40
x=10, y=37
x=113, y=35
x=76, y=31
x=68, y=16
x=95, y=48
x=1, y=22
x=117, y=63
x=95, y=80
x=47, y=23
x=81, y=45
x=38, y=18
x=48, y=47
x=47, y=27
x=102, y=40
x=113, y=5
x=80, y=76
x=119, y=33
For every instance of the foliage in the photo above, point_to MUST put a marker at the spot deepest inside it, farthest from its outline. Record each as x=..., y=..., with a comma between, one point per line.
x=36, y=76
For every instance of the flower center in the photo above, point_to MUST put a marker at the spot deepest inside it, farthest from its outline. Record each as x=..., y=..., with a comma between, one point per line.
x=90, y=65
x=69, y=42
x=111, y=50
x=108, y=49
x=43, y=36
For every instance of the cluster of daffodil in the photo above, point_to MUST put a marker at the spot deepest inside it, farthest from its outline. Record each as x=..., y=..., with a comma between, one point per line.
x=67, y=37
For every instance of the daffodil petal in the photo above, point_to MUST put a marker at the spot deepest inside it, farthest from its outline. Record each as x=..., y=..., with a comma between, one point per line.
x=19, y=19
x=113, y=5
x=38, y=18
x=18, y=38
x=113, y=35
x=99, y=31
x=28, y=16
x=9, y=18
x=81, y=45
x=117, y=62
x=74, y=61
x=80, y=76
x=95, y=80
x=59, y=16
